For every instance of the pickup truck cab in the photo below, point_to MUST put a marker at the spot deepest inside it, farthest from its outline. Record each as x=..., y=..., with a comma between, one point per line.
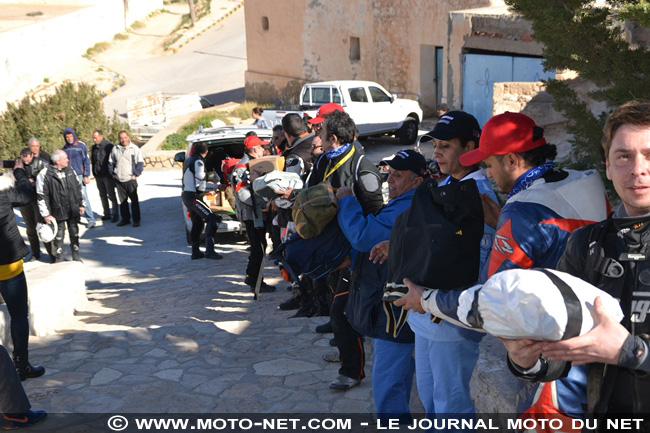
x=374, y=110
x=222, y=142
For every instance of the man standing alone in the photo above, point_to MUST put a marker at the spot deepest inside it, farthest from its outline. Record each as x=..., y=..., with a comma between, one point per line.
x=99, y=155
x=80, y=162
x=126, y=164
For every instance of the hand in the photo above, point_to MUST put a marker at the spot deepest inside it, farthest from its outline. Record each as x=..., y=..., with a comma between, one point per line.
x=82, y=210
x=379, y=253
x=346, y=263
x=19, y=164
x=524, y=353
x=133, y=177
x=253, y=175
x=344, y=191
x=491, y=210
x=601, y=344
x=284, y=193
x=86, y=180
x=48, y=219
x=413, y=298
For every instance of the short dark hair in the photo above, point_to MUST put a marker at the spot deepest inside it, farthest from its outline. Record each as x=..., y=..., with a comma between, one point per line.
x=541, y=154
x=25, y=151
x=258, y=110
x=293, y=125
x=277, y=128
x=98, y=131
x=251, y=134
x=341, y=125
x=200, y=148
x=635, y=113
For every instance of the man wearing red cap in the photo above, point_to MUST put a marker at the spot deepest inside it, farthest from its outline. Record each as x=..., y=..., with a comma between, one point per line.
x=249, y=210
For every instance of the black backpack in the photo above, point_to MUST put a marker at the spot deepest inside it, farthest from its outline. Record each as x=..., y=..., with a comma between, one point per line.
x=436, y=242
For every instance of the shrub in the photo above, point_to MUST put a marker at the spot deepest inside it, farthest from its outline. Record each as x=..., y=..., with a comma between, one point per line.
x=77, y=106
x=177, y=141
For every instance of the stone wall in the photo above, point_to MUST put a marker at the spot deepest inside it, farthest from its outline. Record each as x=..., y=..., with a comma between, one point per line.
x=528, y=98
x=32, y=52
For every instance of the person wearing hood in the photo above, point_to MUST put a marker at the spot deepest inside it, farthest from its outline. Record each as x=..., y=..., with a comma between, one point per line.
x=79, y=160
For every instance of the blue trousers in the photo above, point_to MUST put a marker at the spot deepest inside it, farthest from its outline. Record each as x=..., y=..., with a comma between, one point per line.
x=12, y=394
x=443, y=370
x=392, y=379
x=14, y=292
x=90, y=216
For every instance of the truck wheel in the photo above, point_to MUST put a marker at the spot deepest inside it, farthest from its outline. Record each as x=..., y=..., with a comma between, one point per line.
x=408, y=133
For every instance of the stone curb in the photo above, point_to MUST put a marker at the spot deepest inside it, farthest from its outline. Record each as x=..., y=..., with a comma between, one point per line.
x=230, y=12
x=121, y=77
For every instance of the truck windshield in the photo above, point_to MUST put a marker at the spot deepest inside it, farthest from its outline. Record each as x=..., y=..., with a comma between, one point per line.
x=378, y=95
x=321, y=95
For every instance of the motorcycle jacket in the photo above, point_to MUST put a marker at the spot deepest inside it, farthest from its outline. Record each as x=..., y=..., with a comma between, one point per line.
x=614, y=255
x=194, y=176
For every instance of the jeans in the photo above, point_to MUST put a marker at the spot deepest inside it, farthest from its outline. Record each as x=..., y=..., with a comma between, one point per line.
x=90, y=216
x=393, y=368
x=128, y=191
x=106, y=188
x=14, y=292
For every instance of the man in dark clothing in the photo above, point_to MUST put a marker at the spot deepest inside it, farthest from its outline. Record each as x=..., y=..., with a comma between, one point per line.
x=99, y=156
x=79, y=161
x=31, y=217
x=35, y=146
x=341, y=165
x=612, y=255
x=60, y=199
x=297, y=155
x=194, y=187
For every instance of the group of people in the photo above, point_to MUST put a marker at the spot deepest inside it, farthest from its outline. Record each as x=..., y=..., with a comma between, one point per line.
x=60, y=181
x=551, y=219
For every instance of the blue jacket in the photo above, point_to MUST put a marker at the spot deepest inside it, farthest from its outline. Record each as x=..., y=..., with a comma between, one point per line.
x=77, y=154
x=366, y=232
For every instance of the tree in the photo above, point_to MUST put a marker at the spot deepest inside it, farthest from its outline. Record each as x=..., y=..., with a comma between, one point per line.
x=77, y=106
x=589, y=39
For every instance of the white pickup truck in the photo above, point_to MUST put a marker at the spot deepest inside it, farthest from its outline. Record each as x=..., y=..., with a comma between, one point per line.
x=374, y=110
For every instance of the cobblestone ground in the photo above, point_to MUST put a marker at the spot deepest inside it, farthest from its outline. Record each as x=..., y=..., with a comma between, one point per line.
x=163, y=333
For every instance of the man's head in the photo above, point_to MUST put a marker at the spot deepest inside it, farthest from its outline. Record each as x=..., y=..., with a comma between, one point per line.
x=406, y=172
x=510, y=145
x=324, y=111
x=293, y=126
x=59, y=159
x=34, y=145
x=69, y=136
x=253, y=146
x=455, y=134
x=98, y=136
x=338, y=130
x=278, y=134
x=26, y=156
x=626, y=142
x=124, y=138
x=200, y=148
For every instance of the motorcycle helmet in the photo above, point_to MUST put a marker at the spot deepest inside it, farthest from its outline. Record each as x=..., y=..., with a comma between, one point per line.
x=47, y=231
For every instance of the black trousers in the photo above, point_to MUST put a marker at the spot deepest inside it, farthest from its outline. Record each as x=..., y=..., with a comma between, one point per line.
x=106, y=188
x=73, y=235
x=200, y=214
x=349, y=341
x=31, y=217
x=128, y=191
x=257, y=239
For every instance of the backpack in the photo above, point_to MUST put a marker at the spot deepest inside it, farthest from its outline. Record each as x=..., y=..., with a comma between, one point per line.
x=436, y=242
x=317, y=256
x=313, y=209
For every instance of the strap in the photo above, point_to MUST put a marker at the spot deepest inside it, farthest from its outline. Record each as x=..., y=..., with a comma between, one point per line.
x=572, y=303
x=394, y=324
x=356, y=170
x=338, y=164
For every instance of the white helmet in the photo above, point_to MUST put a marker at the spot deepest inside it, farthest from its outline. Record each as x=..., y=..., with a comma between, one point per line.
x=47, y=231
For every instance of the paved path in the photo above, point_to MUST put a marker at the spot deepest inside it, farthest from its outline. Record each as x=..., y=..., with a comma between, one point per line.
x=162, y=333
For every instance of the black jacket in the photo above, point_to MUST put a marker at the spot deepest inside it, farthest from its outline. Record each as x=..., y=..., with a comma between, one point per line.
x=15, y=191
x=298, y=158
x=37, y=165
x=59, y=193
x=99, y=155
x=614, y=255
x=357, y=172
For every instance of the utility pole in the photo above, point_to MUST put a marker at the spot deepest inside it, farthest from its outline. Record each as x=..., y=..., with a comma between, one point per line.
x=192, y=12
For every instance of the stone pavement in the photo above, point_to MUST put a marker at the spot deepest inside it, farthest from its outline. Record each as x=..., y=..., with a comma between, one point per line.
x=165, y=334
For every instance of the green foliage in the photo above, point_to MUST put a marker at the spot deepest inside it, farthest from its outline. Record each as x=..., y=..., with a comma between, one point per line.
x=99, y=47
x=71, y=106
x=137, y=25
x=177, y=141
x=589, y=39
x=243, y=111
x=120, y=36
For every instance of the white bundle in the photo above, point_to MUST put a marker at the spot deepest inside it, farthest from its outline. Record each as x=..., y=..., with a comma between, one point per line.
x=522, y=303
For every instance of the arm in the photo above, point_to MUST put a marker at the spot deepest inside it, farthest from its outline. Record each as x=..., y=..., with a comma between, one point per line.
x=42, y=193
x=22, y=194
x=241, y=185
x=138, y=163
x=86, y=164
x=364, y=232
x=368, y=189
x=111, y=162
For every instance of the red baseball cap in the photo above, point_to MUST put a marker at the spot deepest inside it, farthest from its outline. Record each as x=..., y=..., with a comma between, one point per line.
x=254, y=141
x=503, y=134
x=324, y=111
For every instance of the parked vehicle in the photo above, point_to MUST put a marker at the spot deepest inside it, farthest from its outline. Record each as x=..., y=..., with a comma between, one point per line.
x=222, y=142
x=374, y=110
